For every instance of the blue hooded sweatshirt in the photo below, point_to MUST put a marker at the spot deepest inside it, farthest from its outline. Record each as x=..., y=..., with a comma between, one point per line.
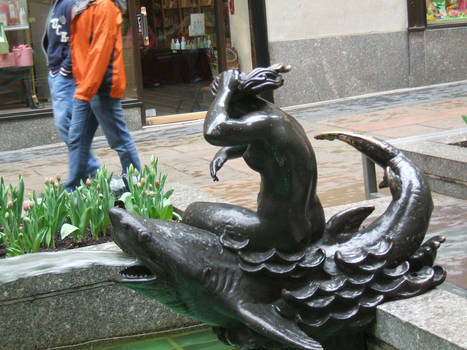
x=57, y=37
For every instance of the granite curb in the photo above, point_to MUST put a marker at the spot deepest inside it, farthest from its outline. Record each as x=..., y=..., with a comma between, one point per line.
x=74, y=295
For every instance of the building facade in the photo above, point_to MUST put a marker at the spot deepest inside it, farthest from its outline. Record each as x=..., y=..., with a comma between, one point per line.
x=348, y=48
x=25, y=105
x=174, y=48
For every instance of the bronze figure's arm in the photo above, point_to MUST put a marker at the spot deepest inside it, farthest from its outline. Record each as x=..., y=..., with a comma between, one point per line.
x=224, y=154
x=248, y=118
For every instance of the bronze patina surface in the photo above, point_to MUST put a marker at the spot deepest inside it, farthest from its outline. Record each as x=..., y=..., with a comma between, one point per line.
x=281, y=277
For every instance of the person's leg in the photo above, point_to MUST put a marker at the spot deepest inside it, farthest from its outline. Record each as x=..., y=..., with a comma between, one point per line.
x=109, y=114
x=61, y=106
x=82, y=129
x=62, y=90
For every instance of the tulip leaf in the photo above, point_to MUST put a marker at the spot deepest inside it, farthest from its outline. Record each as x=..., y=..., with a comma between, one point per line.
x=67, y=230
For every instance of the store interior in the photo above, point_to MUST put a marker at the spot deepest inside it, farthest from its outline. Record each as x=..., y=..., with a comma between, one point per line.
x=175, y=48
x=179, y=52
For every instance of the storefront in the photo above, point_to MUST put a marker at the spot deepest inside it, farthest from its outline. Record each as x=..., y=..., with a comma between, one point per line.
x=351, y=47
x=168, y=71
x=434, y=14
x=23, y=68
x=25, y=105
x=182, y=46
x=172, y=50
x=447, y=12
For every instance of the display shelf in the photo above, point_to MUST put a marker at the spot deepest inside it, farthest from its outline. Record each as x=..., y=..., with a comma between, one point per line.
x=175, y=15
x=18, y=81
x=16, y=27
x=16, y=68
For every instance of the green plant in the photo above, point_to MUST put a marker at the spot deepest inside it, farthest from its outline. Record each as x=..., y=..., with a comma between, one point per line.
x=41, y=217
x=465, y=118
x=26, y=226
x=3, y=207
x=53, y=208
x=147, y=196
x=34, y=227
x=10, y=219
x=102, y=199
x=88, y=207
x=78, y=216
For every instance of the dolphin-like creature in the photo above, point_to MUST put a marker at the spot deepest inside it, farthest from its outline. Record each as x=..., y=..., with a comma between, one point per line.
x=271, y=299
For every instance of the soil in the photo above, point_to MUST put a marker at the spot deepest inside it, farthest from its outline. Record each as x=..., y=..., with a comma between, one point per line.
x=460, y=144
x=67, y=243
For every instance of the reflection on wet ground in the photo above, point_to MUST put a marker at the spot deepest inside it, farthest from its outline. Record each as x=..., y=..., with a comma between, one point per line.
x=456, y=268
x=202, y=339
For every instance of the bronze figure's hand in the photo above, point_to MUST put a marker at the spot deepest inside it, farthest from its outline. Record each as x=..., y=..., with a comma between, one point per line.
x=230, y=79
x=216, y=164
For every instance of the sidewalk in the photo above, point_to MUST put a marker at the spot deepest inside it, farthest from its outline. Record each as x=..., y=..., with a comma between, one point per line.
x=184, y=155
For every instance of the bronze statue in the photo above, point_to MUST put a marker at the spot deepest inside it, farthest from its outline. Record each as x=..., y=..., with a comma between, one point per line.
x=289, y=214
x=280, y=278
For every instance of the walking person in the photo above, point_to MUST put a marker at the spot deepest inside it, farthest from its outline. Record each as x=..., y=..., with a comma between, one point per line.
x=96, y=49
x=56, y=46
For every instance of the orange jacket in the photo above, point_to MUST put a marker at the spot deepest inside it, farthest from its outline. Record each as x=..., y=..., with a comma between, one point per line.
x=96, y=49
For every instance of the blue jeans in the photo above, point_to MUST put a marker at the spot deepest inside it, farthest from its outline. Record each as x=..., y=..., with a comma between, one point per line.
x=86, y=117
x=62, y=90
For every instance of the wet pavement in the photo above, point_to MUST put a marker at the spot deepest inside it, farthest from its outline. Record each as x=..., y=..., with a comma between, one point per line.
x=184, y=155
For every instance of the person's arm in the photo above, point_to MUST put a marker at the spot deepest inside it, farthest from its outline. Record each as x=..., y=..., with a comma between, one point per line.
x=65, y=67
x=105, y=28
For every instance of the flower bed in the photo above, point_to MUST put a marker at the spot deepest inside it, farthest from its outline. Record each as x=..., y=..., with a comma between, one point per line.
x=77, y=218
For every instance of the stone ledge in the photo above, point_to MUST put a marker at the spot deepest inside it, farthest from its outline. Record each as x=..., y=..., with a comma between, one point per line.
x=444, y=164
x=84, y=311
x=435, y=320
x=446, y=161
x=63, y=298
x=31, y=275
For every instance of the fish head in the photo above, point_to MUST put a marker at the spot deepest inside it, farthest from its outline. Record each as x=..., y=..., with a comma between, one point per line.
x=165, y=249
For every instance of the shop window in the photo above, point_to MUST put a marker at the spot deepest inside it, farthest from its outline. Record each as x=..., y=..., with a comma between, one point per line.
x=23, y=67
x=181, y=35
x=446, y=12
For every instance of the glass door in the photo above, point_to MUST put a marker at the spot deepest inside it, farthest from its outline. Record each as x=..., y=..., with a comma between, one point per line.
x=179, y=43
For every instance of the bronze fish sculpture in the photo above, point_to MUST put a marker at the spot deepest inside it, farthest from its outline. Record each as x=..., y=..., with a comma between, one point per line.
x=261, y=279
